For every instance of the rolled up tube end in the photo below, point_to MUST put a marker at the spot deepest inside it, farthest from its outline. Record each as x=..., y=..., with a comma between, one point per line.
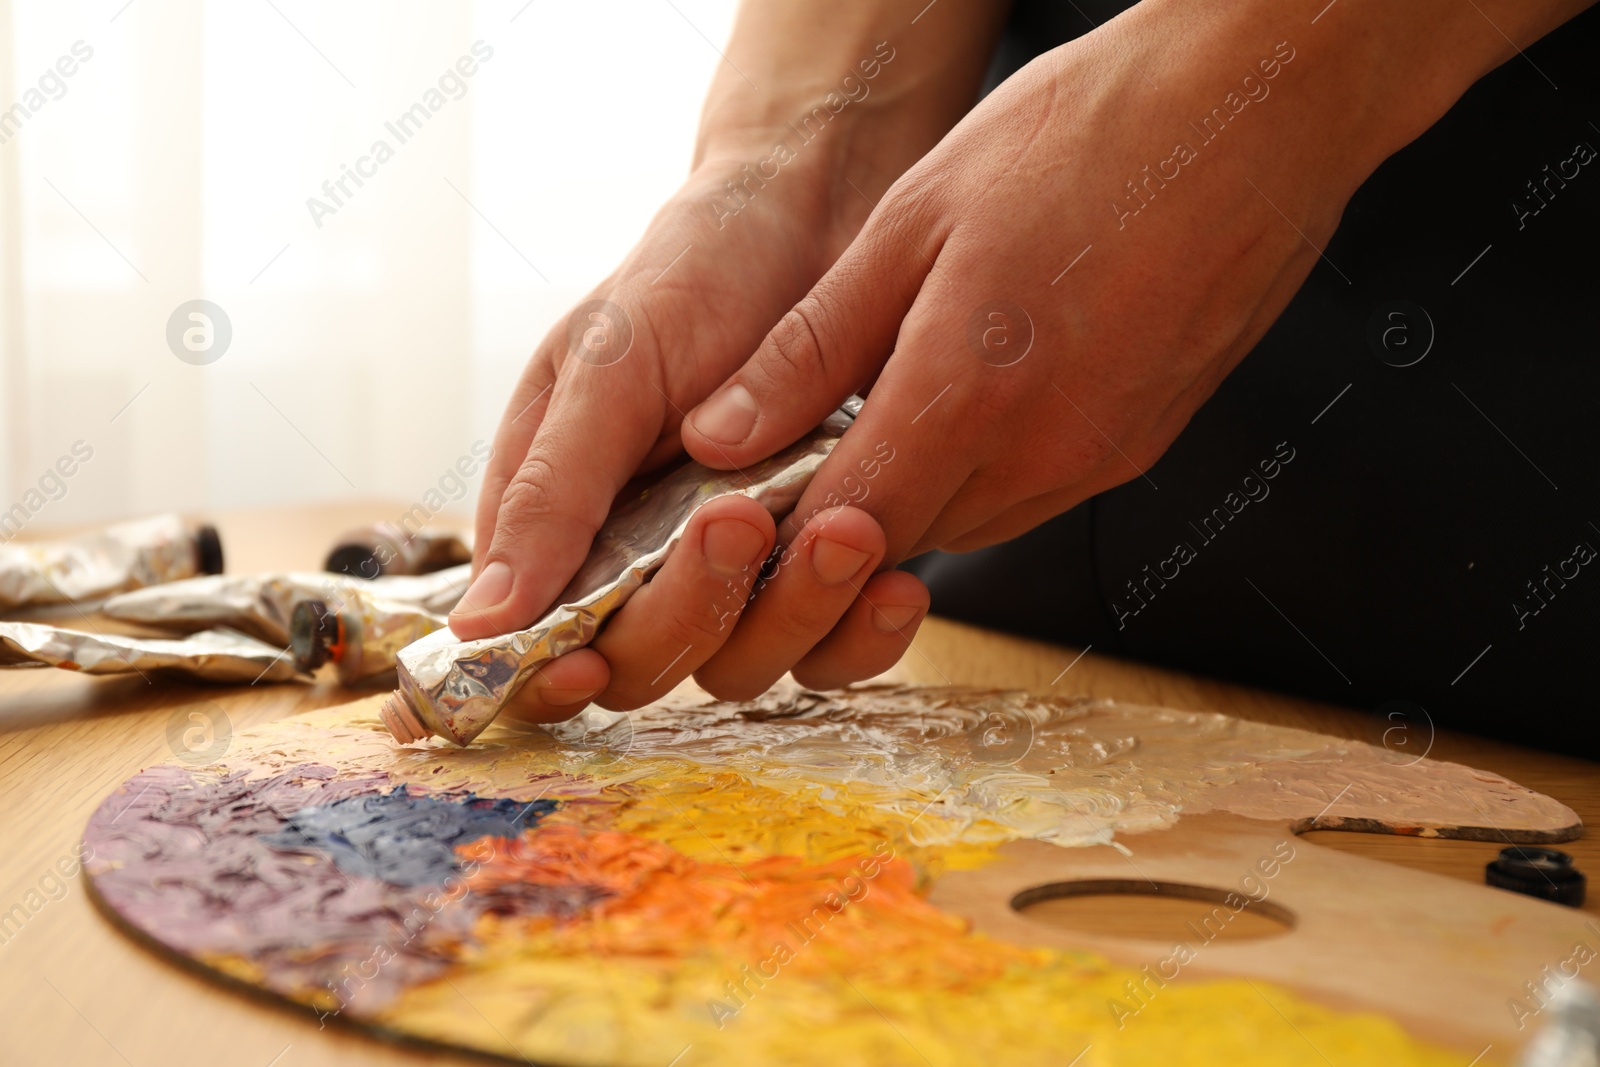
x=401, y=720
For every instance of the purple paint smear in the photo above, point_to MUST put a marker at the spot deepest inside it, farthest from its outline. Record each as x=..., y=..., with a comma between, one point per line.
x=184, y=855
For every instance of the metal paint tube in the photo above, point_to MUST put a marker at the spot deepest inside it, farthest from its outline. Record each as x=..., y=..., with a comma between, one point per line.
x=361, y=636
x=129, y=555
x=455, y=688
x=262, y=604
x=437, y=592
x=1571, y=1037
x=211, y=655
x=389, y=548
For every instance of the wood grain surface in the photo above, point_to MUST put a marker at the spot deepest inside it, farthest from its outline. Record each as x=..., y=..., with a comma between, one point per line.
x=78, y=992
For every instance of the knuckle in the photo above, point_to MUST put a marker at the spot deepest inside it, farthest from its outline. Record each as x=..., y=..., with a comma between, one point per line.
x=913, y=201
x=704, y=626
x=533, y=484
x=531, y=494
x=795, y=343
x=806, y=624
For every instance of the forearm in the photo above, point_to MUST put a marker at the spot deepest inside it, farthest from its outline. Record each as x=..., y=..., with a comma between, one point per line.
x=1369, y=75
x=1453, y=43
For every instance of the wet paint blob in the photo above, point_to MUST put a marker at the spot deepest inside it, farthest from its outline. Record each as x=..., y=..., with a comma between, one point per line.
x=400, y=838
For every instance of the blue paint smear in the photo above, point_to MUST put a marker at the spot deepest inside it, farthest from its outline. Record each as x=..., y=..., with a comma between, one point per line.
x=402, y=839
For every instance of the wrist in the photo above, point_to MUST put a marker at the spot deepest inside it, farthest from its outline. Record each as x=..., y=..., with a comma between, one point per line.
x=835, y=99
x=862, y=118
x=1369, y=79
x=826, y=159
x=800, y=101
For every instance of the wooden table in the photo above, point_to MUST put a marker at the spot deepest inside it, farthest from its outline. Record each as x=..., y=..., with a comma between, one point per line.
x=77, y=992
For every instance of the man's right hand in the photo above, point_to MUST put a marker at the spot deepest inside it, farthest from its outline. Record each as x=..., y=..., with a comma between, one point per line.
x=601, y=399
x=855, y=91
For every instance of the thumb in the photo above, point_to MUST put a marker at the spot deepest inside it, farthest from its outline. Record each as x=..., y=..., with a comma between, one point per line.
x=560, y=494
x=828, y=346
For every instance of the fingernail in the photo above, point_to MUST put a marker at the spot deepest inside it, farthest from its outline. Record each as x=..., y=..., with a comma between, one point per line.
x=731, y=546
x=833, y=563
x=491, y=588
x=727, y=417
x=894, y=618
x=560, y=698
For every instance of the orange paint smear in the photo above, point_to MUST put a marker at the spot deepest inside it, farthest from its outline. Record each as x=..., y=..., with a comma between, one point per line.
x=668, y=905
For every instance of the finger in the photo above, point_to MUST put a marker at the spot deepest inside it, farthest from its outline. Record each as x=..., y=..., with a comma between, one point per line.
x=602, y=421
x=561, y=688
x=900, y=469
x=1012, y=522
x=817, y=579
x=871, y=637
x=524, y=412
x=688, y=610
x=829, y=345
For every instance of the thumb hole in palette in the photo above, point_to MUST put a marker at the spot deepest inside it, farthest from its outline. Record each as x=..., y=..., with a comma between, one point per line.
x=1152, y=911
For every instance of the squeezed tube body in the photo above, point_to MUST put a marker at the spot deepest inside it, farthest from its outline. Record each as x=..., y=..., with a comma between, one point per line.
x=262, y=605
x=455, y=688
x=211, y=655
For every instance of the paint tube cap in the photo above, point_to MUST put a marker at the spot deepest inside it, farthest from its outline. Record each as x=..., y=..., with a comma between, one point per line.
x=313, y=631
x=1545, y=873
x=208, y=549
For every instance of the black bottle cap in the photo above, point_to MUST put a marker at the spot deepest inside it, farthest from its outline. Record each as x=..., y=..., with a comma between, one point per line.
x=313, y=631
x=356, y=560
x=1545, y=873
x=208, y=545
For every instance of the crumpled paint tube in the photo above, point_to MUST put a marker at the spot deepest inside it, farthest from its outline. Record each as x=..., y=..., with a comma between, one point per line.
x=455, y=688
x=388, y=548
x=211, y=655
x=362, y=636
x=262, y=604
x=128, y=555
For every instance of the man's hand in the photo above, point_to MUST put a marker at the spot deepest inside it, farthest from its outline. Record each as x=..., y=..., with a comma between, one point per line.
x=854, y=97
x=1043, y=301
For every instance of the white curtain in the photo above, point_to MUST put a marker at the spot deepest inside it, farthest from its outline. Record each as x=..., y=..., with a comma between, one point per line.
x=157, y=152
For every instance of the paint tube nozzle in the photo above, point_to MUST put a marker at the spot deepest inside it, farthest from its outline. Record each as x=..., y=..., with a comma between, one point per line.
x=401, y=720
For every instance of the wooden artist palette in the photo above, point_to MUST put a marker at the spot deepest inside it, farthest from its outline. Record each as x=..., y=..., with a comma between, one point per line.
x=837, y=879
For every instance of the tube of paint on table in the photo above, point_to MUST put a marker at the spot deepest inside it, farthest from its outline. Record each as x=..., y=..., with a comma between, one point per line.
x=389, y=548
x=437, y=592
x=455, y=688
x=1571, y=1035
x=129, y=555
x=262, y=604
x=211, y=655
x=361, y=636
